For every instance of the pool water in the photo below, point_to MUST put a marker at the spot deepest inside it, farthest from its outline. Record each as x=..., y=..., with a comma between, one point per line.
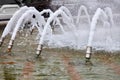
x=55, y=64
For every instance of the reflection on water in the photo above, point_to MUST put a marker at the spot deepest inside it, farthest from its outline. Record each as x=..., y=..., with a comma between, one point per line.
x=58, y=65
x=9, y=72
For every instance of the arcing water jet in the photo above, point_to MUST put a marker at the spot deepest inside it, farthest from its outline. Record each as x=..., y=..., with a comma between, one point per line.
x=95, y=18
x=81, y=9
x=12, y=23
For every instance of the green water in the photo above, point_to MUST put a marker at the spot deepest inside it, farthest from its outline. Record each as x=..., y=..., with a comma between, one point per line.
x=54, y=64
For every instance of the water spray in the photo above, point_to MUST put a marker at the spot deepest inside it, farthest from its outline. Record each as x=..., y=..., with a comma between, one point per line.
x=83, y=9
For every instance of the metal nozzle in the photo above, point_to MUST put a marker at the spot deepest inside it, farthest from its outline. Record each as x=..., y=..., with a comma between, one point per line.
x=9, y=49
x=88, y=53
x=39, y=50
x=10, y=45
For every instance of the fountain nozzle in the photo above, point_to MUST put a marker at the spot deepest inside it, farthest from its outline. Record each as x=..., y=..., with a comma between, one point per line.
x=10, y=45
x=39, y=50
x=9, y=49
x=88, y=53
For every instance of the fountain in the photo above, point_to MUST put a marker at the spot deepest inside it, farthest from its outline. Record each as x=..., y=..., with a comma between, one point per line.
x=95, y=18
x=64, y=19
x=33, y=21
x=50, y=19
x=32, y=16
